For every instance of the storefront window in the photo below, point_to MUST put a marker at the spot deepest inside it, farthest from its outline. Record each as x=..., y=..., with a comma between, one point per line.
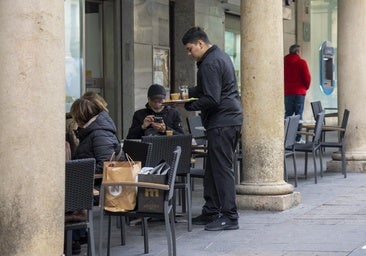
x=323, y=20
x=73, y=50
x=232, y=48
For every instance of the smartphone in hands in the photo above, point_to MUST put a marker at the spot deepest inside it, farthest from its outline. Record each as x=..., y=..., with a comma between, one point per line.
x=158, y=119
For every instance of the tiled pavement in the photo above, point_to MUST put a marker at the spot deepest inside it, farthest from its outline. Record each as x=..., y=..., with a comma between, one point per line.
x=330, y=221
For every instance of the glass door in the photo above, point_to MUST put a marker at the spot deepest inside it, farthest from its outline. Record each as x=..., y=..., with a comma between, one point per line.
x=73, y=50
x=94, y=46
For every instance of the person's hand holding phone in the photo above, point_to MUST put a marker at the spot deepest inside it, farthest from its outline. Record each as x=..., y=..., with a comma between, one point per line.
x=158, y=124
x=148, y=120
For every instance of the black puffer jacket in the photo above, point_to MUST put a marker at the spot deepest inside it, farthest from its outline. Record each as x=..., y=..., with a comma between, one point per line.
x=98, y=140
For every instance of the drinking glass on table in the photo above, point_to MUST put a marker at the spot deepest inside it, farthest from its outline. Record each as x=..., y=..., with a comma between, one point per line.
x=183, y=92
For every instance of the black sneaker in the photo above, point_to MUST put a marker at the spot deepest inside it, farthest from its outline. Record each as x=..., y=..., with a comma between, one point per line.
x=222, y=223
x=204, y=219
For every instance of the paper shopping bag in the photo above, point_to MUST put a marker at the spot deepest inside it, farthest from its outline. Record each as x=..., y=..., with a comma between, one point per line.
x=120, y=198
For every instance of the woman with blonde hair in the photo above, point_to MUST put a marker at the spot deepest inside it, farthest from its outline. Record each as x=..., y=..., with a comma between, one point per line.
x=95, y=137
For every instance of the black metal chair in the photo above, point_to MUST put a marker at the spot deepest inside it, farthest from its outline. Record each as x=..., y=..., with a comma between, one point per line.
x=199, y=146
x=79, y=184
x=162, y=145
x=167, y=213
x=291, y=125
x=317, y=107
x=313, y=146
x=238, y=160
x=195, y=126
x=199, y=138
x=138, y=151
x=340, y=142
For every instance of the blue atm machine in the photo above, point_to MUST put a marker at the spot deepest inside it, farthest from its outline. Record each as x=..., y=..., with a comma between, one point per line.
x=327, y=81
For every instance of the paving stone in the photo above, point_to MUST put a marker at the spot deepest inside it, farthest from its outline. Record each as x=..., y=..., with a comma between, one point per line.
x=330, y=221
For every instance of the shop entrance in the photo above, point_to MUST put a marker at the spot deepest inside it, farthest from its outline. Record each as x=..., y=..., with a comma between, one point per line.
x=94, y=53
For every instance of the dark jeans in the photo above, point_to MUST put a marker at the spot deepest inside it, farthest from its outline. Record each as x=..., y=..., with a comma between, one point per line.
x=294, y=105
x=219, y=181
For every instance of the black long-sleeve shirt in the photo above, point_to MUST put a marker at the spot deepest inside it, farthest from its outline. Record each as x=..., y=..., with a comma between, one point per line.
x=217, y=91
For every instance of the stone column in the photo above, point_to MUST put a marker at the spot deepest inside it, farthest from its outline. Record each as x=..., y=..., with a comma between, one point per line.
x=262, y=186
x=184, y=67
x=351, y=82
x=32, y=134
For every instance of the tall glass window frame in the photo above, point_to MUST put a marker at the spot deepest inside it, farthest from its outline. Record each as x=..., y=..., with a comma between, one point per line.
x=74, y=51
x=232, y=48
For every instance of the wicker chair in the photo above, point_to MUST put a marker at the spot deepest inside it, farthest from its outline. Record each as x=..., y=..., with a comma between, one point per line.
x=138, y=151
x=79, y=183
x=162, y=145
x=167, y=214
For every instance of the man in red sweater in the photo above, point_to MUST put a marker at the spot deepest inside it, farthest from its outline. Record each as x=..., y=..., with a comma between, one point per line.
x=297, y=82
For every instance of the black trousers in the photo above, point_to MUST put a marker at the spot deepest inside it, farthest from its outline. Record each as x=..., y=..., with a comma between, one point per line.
x=219, y=181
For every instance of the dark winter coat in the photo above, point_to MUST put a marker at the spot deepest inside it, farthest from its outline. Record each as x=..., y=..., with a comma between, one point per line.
x=98, y=140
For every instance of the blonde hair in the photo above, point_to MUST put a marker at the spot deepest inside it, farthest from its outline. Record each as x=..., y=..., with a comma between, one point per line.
x=97, y=99
x=82, y=110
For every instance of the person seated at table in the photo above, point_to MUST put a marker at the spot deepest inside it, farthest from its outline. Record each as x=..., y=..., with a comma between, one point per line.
x=96, y=132
x=71, y=125
x=156, y=118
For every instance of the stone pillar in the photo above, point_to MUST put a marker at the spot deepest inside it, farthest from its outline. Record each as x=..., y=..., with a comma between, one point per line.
x=262, y=186
x=351, y=83
x=32, y=134
x=184, y=67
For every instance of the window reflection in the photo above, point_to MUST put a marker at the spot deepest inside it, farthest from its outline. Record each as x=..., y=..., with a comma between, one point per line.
x=73, y=51
x=232, y=48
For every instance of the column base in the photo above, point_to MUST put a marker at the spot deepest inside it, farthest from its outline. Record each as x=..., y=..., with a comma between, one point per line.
x=351, y=166
x=355, y=162
x=268, y=203
x=277, y=196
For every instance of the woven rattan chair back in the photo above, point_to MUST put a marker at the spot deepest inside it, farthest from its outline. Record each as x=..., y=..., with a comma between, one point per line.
x=138, y=151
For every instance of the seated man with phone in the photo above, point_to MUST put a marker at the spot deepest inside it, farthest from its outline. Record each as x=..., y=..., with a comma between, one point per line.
x=156, y=118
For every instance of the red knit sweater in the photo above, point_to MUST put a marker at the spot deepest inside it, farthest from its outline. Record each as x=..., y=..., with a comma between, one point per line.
x=297, y=75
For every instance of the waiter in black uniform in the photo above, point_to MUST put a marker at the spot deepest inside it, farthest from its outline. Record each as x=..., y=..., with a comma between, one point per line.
x=221, y=111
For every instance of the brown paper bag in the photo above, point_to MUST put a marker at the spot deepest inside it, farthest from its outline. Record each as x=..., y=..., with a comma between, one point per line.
x=120, y=198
